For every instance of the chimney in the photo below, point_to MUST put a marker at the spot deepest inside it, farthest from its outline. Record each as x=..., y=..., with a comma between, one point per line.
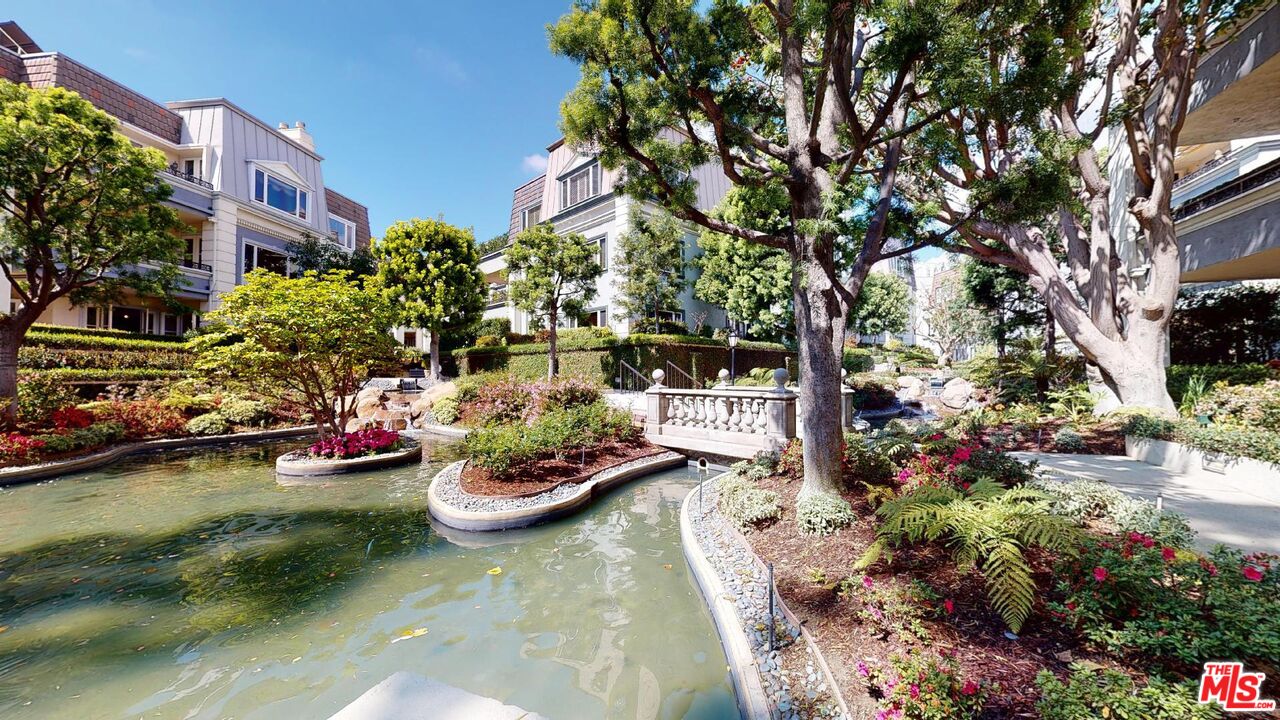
x=298, y=133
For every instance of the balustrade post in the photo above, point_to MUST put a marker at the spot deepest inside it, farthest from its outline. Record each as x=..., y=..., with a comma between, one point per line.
x=846, y=402
x=780, y=411
x=657, y=404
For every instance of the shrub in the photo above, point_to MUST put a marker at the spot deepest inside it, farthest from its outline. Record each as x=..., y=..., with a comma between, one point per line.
x=71, y=418
x=1256, y=443
x=1178, y=376
x=865, y=464
x=1091, y=500
x=661, y=327
x=488, y=341
x=208, y=424
x=373, y=441
x=508, y=399
x=1176, y=608
x=871, y=395
x=445, y=410
x=1103, y=692
x=986, y=525
x=1243, y=406
x=39, y=397
x=743, y=503
x=242, y=411
x=857, y=360
x=923, y=686
x=497, y=327
x=501, y=448
x=142, y=418
x=191, y=404
x=1068, y=440
x=49, y=337
x=1073, y=403
x=823, y=514
x=95, y=436
x=18, y=448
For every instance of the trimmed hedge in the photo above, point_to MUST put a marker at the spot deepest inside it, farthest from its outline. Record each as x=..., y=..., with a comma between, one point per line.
x=104, y=376
x=123, y=341
x=600, y=358
x=1177, y=376
x=47, y=358
x=1254, y=443
x=106, y=333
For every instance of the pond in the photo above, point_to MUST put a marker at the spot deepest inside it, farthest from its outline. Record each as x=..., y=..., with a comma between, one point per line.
x=193, y=585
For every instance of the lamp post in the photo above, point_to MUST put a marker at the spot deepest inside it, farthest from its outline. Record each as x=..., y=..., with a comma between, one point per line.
x=733, y=349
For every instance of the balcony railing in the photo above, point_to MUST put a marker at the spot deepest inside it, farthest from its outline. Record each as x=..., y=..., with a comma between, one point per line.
x=1241, y=185
x=174, y=171
x=189, y=263
x=1205, y=168
x=498, y=297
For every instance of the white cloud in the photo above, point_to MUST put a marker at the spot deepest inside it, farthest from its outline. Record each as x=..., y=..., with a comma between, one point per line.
x=534, y=164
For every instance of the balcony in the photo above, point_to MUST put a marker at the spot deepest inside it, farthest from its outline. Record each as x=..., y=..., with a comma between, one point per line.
x=498, y=296
x=1263, y=175
x=190, y=263
x=195, y=179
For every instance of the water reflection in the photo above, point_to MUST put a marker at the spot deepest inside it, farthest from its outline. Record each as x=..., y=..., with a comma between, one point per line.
x=194, y=586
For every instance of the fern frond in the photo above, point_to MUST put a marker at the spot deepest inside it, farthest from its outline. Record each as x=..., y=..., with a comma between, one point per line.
x=1009, y=584
x=875, y=551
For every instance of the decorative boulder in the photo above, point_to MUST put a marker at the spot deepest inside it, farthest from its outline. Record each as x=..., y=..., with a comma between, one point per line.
x=420, y=407
x=910, y=387
x=369, y=401
x=956, y=393
x=356, y=424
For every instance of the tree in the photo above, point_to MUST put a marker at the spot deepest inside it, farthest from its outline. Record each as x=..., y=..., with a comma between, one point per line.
x=307, y=341
x=80, y=213
x=805, y=98
x=650, y=268
x=1012, y=307
x=882, y=305
x=311, y=254
x=551, y=276
x=951, y=320
x=430, y=271
x=1025, y=178
x=1235, y=324
x=493, y=244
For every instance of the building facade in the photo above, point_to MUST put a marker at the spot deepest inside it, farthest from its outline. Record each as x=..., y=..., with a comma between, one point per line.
x=576, y=195
x=243, y=188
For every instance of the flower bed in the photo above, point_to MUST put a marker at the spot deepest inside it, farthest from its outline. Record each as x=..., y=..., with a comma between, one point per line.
x=946, y=582
x=350, y=452
x=361, y=443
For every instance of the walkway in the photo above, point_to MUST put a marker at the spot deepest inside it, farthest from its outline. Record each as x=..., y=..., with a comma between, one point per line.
x=1219, y=511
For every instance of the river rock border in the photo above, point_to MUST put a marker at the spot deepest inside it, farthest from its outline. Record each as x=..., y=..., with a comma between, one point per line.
x=299, y=464
x=733, y=581
x=44, y=471
x=453, y=506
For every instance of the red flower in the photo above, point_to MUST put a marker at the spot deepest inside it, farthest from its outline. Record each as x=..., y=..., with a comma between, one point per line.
x=915, y=691
x=1168, y=554
x=1252, y=574
x=1099, y=573
x=970, y=688
x=867, y=582
x=1071, y=606
x=949, y=606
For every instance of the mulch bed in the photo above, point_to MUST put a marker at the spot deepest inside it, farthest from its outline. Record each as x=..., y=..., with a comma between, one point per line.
x=546, y=474
x=1103, y=438
x=973, y=631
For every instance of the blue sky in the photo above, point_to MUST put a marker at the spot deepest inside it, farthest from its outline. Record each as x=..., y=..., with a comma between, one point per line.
x=419, y=109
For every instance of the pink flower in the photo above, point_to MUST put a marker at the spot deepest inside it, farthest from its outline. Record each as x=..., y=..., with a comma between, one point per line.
x=905, y=475
x=863, y=670
x=890, y=684
x=970, y=688
x=915, y=691
x=962, y=454
x=936, y=436
x=1252, y=574
x=1168, y=554
x=949, y=605
x=1099, y=574
x=867, y=582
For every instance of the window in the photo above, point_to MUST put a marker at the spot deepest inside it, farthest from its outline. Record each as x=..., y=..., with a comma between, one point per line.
x=676, y=316
x=579, y=186
x=345, y=230
x=602, y=251
x=279, y=194
x=599, y=317
x=260, y=257
x=192, y=253
x=191, y=167
x=410, y=338
x=96, y=317
x=531, y=216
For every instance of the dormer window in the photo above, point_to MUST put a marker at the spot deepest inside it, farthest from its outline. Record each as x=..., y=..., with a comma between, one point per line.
x=530, y=217
x=278, y=193
x=580, y=185
x=345, y=230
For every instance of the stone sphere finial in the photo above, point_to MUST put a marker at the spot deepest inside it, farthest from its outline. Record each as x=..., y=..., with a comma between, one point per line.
x=724, y=376
x=780, y=378
x=658, y=376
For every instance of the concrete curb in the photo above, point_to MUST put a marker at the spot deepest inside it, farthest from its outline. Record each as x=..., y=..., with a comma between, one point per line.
x=313, y=468
x=752, y=699
x=15, y=475
x=433, y=429
x=486, y=521
x=1255, y=477
x=753, y=702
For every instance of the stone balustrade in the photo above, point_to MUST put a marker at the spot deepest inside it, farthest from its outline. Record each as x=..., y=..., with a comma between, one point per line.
x=724, y=420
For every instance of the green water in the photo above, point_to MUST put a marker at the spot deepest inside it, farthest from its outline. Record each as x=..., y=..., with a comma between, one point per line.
x=196, y=586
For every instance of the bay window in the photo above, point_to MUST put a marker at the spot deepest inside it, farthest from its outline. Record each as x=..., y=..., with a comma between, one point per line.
x=280, y=194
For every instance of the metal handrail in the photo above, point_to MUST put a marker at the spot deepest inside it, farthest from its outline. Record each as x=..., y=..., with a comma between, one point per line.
x=1222, y=193
x=630, y=379
x=173, y=170
x=678, y=378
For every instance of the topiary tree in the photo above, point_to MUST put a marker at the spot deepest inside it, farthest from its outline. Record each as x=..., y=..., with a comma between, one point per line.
x=306, y=341
x=80, y=214
x=551, y=276
x=430, y=271
x=650, y=266
x=882, y=305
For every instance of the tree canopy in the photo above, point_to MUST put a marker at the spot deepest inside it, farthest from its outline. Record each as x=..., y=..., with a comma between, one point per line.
x=649, y=266
x=1012, y=307
x=309, y=340
x=80, y=214
x=883, y=305
x=313, y=254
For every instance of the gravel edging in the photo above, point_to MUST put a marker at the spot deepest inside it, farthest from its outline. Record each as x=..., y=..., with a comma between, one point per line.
x=44, y=471
x=299, y=464
x=734, y=582
x=453, y=506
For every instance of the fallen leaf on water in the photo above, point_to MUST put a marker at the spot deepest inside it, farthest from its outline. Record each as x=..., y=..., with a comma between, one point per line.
x=495, y=571
x=410, y=634
x=666, y=566
x=3, y=628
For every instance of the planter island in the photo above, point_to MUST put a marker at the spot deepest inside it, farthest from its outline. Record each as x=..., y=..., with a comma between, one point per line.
x=301, y=463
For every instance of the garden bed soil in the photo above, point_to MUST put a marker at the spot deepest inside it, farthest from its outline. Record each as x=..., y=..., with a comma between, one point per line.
x=1104, y=438
x=546, y=474
x=807, y=569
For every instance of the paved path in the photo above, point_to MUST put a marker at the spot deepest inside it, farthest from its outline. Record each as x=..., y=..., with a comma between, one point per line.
x=1219, y=511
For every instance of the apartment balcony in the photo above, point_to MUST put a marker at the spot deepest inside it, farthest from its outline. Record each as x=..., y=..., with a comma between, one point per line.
x=498, y=297
x=1235, y=88
x=193, y=179
x=1231, y=230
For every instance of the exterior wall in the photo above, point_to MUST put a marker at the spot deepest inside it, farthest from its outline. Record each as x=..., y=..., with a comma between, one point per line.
x=526, y=196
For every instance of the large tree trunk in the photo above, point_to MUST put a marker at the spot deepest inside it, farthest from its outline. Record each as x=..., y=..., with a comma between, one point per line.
x=820, y=323
x=10, y=340
x=435, y=356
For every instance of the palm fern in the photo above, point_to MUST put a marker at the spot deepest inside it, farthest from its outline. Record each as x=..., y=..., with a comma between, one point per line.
x=988, y=526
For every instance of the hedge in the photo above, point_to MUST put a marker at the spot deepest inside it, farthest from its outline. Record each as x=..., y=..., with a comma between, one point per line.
x=104, y=332
x=1177, y=376
x=45, y=338
x=98, y=375
x=600, y=358
x=1255, y=443
x=47, y=358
